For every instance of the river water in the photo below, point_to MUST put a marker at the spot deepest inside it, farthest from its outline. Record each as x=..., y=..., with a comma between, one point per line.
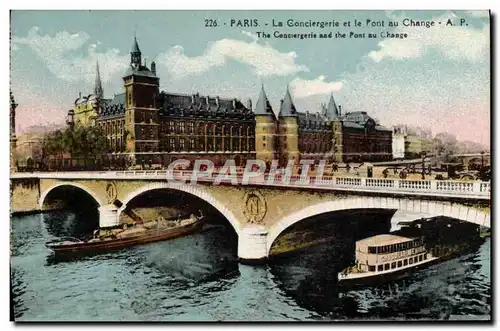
x=197, y=278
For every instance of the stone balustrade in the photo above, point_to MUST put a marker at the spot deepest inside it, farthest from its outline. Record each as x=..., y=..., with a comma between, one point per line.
x=465, y=189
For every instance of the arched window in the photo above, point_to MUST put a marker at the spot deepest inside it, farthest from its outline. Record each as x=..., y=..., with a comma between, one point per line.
x=240, y=140
x=247, y=142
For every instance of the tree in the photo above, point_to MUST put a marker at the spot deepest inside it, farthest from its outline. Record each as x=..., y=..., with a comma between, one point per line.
x=445, y=144
x=86, y=142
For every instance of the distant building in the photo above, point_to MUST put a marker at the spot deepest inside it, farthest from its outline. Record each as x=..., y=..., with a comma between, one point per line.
x=408, y=144
x=145, y=126
x=398, y=144
x=29, y=150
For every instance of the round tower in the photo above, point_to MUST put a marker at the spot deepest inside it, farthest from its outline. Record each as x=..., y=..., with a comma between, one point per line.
x=265, y=129
x=288, y=131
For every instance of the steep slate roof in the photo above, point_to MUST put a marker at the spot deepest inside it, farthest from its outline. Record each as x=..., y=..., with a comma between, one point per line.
x=170, y=103
x=361, y=120
x=140, y=71
x=263, y=107
x=312, y=121
x=287, y=108
x=115, y=106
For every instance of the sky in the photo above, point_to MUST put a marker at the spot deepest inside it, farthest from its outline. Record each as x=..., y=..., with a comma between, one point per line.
x=436, y=78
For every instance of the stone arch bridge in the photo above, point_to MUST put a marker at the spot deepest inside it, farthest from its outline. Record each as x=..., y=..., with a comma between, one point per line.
x=262, y=210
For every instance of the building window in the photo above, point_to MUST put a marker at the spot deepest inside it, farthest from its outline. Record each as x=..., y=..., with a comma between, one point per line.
x=171, y=144
x=380, y=267
x=400, y=264
x=181, y=143
x=410, y=260
x=405, y=262
x=218, y=142
x=393, y=265
x=171, y=126
x=387, y=266
x=202, y=143
x=190, y=127
x=191, y=144
x=210, y=143
x=235, y=144
x=371, y=268
x=227, y=143
x=181, y=127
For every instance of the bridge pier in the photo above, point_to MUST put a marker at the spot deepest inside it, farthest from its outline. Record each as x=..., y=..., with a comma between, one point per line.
x=252, y=245
x=108, y=216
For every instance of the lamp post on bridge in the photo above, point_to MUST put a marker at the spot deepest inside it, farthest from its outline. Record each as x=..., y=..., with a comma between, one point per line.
x=482, y=165
x=423, y=154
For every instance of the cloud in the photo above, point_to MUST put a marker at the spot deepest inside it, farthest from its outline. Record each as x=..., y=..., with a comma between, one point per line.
x=253, y=36
x=302, y=88
x=478, y=13
x=265, y=60
x=62, y=55
x=453, y=42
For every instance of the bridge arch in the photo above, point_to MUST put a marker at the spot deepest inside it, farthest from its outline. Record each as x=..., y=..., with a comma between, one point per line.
x=425, y=207
x=196, y=190
x=87, y=190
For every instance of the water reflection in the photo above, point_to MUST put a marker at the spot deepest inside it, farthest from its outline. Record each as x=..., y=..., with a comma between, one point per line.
x=198, y=278
x=454, y=287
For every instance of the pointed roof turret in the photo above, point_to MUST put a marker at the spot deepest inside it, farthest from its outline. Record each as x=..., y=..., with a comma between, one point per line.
x=135, y=46
x=332, y=112
x=287, y=108
x=98, y=91
x=263, y=107
x=135, y=54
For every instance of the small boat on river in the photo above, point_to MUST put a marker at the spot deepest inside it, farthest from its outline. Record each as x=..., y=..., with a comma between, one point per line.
x=385, y=257
x=136, y=234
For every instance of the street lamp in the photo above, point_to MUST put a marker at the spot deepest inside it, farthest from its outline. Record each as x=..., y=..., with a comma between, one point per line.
x=423, y=164
x=482, y=164
x=70, y=120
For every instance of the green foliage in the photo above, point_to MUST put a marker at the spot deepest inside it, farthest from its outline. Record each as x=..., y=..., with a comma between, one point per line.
x=81, y=141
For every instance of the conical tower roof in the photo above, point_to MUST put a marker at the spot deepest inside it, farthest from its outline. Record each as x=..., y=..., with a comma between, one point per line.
x=332, y=112
x=135, y=46
x=263, y=107
x=287, y=108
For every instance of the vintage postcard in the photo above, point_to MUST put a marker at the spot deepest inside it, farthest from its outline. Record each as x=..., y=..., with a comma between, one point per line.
x=249, y=166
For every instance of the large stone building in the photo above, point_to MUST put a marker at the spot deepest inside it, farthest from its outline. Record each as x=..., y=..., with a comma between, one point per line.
x=145, y=126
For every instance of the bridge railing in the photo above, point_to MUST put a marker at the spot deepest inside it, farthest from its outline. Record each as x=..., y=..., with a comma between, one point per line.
x=463, y=188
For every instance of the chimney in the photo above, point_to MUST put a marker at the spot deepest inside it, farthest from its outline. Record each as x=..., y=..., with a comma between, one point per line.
x=249, y=104
x=153, y=67
x=340, y=110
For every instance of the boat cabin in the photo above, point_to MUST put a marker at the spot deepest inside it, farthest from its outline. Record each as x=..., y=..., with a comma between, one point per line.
x=388, y=251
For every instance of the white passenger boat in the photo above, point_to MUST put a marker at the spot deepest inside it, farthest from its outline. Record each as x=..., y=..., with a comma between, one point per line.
x=385, y=257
